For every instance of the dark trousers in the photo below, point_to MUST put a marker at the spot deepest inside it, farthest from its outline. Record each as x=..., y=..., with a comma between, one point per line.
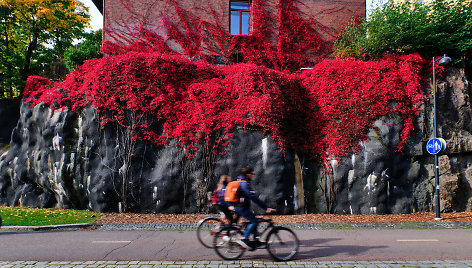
x=228, y=214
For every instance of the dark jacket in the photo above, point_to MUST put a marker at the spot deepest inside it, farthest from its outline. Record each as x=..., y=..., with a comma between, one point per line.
x=248, y=194
x=221, y=196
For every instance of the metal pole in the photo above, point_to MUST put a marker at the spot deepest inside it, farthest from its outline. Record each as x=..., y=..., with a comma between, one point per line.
x=435, y=130
x=435, y=133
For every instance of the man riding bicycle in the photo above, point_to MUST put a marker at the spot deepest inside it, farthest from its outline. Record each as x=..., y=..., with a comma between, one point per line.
x=243, y=207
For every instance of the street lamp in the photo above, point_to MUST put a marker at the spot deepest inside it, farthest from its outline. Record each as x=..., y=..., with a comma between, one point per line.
x=444, y=60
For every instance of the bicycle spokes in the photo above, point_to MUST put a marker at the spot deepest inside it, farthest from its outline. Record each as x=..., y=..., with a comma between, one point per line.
x=226, y=243
x=282, y=244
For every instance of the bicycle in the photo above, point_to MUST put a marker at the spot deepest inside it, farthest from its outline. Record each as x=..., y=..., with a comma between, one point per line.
x=281, y=242
x=208, y=227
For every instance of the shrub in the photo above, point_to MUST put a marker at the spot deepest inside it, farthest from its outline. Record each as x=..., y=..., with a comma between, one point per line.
x=87, y=49
x=431, y=29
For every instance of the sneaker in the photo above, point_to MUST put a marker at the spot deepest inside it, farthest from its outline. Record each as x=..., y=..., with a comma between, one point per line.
x=244, y=243
x=226, y=238
x=253, y=245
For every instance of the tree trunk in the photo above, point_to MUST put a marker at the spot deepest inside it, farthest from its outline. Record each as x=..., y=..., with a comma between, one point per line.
x=25, y=72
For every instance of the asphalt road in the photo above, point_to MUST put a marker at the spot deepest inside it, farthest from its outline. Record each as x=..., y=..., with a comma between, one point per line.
x=316, y=245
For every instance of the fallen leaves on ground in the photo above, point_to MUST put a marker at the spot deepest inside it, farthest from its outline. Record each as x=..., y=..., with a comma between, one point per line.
x=134, y=218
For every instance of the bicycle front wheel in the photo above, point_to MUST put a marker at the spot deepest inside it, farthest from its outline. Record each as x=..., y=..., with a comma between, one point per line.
x=226, y=243
x=282, y=244
x=207, y=229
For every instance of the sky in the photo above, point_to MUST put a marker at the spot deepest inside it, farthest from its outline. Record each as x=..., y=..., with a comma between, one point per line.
x=371, y=5
x=96, y=19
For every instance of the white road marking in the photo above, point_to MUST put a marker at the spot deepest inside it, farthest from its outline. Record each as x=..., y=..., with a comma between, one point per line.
x=111, y=242
x=417, y=240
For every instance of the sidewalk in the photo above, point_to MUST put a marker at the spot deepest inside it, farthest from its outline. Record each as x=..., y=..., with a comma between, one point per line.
x=239, y=264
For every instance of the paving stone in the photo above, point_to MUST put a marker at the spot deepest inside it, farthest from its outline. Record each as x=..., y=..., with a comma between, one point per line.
x=237, y=264
x=382, y=265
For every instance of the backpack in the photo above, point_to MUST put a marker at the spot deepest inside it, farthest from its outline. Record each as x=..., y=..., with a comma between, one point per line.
x=214, y=197
x=232, y=192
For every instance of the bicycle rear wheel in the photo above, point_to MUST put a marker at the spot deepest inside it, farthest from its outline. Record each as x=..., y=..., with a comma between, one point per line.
x=282, y=244
x=207, y=229
x=225, y=243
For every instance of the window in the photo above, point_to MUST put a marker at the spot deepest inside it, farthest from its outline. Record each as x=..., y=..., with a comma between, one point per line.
x=239, y=19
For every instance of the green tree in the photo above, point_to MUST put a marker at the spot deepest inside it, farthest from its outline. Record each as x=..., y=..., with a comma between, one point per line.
x=431, y=29
x=35, y=34
x=89, y=48
x=10, y=59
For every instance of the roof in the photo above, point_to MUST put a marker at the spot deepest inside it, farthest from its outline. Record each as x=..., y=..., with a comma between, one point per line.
x=99, y=5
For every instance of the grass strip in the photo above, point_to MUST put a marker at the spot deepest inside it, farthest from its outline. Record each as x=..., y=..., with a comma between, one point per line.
x=23, y=216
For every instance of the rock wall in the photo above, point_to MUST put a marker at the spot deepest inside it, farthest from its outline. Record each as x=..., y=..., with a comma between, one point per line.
x=65, y=159
x=379, y=180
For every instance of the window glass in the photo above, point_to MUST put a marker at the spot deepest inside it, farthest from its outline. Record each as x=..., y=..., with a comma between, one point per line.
x=239, y=17
x=234, y=29
x=244, y=22
x=240, y=5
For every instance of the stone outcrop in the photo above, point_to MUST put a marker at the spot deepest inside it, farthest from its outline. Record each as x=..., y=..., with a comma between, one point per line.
x=379, y=180
x=66, y=159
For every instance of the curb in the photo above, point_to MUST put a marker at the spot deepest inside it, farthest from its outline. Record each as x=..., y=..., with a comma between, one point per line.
x=299, y=226
x=50, y=227
x=295, y=226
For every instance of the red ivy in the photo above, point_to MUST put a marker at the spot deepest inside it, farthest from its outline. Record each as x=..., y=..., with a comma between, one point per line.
x=328, y=109
x=349, y=95
x=296, y=41
x=323, y=112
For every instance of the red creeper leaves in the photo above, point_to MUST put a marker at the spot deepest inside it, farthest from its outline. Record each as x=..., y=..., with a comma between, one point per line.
x=323, y=112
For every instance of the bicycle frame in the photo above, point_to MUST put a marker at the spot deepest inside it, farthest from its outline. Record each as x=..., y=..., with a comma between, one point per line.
x=272, y=237
x=270, y=226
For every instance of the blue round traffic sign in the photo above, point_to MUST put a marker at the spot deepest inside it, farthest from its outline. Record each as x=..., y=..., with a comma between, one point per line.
x=436, y=145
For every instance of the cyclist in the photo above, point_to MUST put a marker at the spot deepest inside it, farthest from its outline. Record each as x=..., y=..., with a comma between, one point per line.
x=221, y=204
x=243, y=207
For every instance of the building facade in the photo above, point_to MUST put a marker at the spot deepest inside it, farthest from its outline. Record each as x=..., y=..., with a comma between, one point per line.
x=122, y=17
